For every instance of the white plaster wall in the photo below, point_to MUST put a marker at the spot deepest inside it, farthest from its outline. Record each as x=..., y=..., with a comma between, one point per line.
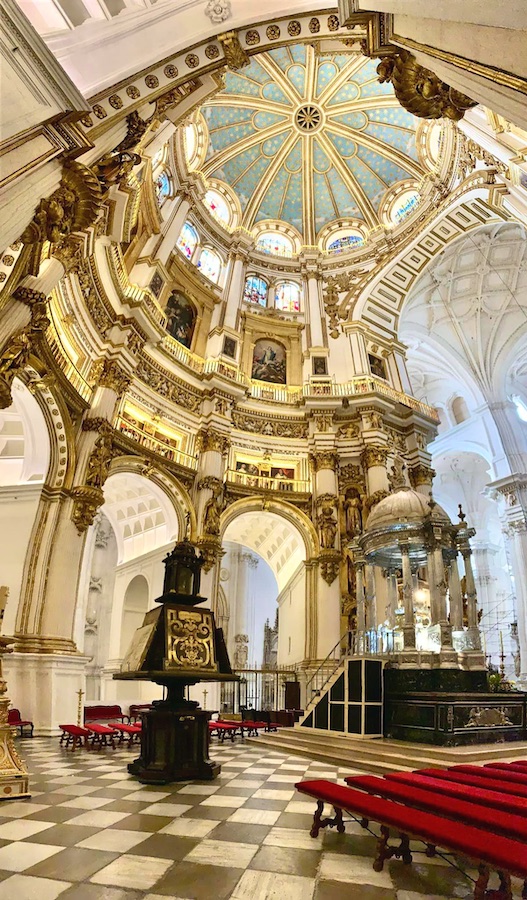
x=18, y=507
x=292, y=620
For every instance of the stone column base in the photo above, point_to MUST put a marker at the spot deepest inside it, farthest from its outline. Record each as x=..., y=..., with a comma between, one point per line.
x=44, y=687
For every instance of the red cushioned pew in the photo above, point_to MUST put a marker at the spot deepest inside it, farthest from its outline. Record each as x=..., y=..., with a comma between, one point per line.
x=503, y=774
x=492, y=799
x=506, y=855
x=497, y=821
x=477, y=780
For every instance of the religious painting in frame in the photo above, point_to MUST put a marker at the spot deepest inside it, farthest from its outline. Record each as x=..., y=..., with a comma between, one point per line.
x=320, y=365
x=377, y=366
x=281, y=472
x=229, y=347
x=269, y=361
x=181, y=318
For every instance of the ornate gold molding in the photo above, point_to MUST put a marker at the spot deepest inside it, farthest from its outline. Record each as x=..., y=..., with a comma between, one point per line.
x=29, y=296
x=15, y=354
x=211, y=550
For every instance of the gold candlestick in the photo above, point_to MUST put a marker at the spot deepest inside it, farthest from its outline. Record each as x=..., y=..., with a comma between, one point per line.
x=205, y=692
x=80, y=694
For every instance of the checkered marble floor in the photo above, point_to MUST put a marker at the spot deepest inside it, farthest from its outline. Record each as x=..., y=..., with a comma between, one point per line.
x=92, y=832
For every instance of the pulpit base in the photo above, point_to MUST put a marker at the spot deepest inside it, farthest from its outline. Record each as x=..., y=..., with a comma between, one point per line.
x=174, y=747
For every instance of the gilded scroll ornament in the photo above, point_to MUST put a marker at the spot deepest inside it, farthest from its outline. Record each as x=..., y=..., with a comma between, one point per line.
x=235, y=56
x=190, y=640
x=87, y=502
x=211, y=551
x=420, y=91
x=74, y=206
x=15, y=355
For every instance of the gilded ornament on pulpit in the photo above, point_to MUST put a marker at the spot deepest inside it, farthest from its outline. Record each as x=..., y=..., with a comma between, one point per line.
x=190, y=639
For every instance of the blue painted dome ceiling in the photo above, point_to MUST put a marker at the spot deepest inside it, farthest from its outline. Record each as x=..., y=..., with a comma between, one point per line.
x=309, y=140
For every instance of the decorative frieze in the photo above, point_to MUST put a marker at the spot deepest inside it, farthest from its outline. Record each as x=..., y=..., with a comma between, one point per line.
x=173, y=389
x=283, y=428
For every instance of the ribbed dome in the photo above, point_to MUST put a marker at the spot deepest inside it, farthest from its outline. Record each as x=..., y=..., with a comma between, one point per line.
x=405, y=506
x=307, y=140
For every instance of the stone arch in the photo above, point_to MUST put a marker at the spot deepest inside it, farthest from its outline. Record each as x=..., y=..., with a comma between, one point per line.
x=175, y=491
x=280, y=507
x=307, y=533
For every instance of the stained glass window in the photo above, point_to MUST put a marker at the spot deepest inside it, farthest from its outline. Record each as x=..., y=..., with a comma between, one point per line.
x=210, y=264
x=188, y=240
x=162, y=187
x=218, y=206
x=345, y=242
x=287, y=297
x=272, y=242
x=406, y=204
x=255, y=290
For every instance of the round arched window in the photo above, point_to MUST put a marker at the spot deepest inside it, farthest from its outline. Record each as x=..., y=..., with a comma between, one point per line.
x=404, y=205
x=345, y=241
x=188, y=240
x=210, y=264
x=287, y=297
x=218, y=206
x=255, y=290
x=276, y=243
x=162, y=187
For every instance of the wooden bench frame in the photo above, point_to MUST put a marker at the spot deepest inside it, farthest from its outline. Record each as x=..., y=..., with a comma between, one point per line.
x=424, y=826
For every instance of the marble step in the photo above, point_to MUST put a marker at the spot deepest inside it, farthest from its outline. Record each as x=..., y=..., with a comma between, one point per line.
x=380, y=755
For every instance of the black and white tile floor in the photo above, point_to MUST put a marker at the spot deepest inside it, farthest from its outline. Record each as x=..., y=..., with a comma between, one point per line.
x=92, y=832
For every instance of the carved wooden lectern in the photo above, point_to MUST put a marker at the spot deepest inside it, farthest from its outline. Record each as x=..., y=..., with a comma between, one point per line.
x=176, y=646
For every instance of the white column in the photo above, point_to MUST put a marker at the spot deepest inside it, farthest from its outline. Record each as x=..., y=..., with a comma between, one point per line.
x=235, y=289
x=456, y=600
x=174, y=228
x=408, y=599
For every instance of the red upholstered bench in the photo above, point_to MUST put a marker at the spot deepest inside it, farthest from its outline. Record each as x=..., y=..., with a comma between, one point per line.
x=102, y=736
x=507, y=775
x=137, y=710
x=224, y=729
x=14, y=719
x=124, y=729
x=493, y=799
x=73, y=735
x=506, y=855
x=493, y=820
x=104, y=713
x=478, y=781
x=519, y=768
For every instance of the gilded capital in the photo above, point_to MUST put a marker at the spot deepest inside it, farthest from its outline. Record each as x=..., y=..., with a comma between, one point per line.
x=209, y=439
x=420, y=474
x=108, y=373
x=374, y=455
x=74, y=206
x=324, y=459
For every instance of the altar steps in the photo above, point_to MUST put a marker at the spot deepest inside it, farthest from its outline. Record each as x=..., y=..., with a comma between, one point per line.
x=381, y=755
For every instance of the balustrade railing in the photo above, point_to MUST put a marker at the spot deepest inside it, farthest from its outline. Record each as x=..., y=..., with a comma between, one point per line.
x=157, y=445
x=268, y=482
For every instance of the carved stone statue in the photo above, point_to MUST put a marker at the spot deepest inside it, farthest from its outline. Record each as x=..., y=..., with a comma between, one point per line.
x=212, y=511
x=99, y=461
x=327, y=525
x=353, y=516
